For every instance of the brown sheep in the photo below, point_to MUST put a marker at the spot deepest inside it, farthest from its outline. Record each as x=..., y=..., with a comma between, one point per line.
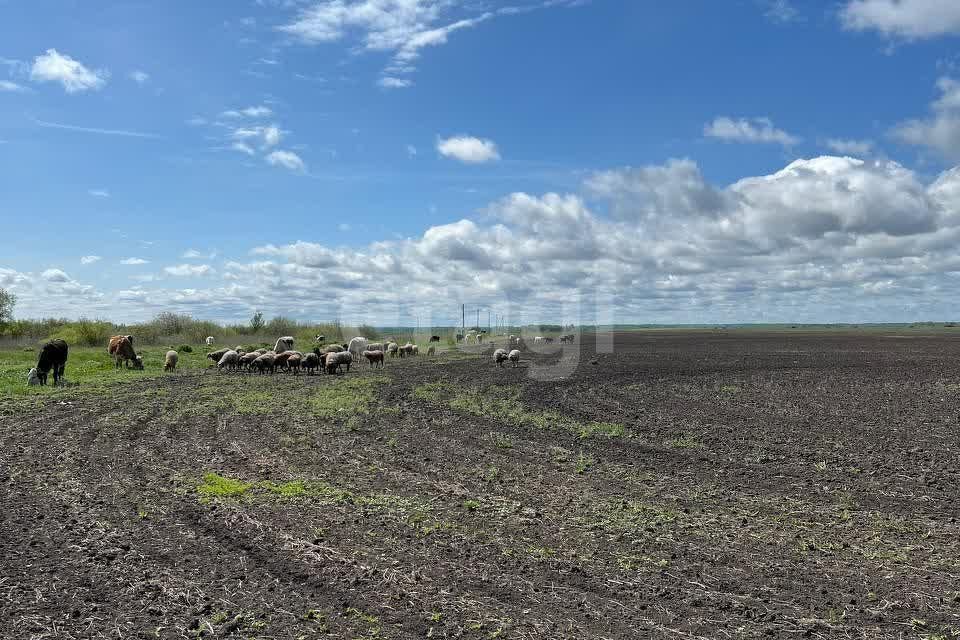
x=170, y=360
x=293, y=362
x=374, y=356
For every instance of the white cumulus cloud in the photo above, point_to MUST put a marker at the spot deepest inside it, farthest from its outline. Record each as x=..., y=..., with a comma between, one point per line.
x=188, y=270
x=940, y=131
x=287, y=159
x=753, y=130
x=53, y=66
x=389, y=82
x=134, y=261
x=140, y=77
x=858, y=148
x=909, y=19
x=89, y=259
x=468, y=149
x=12, y=87
x=260, y=111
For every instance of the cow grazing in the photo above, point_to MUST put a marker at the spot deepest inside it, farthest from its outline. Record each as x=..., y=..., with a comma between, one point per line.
x=121, y=348
x=53, y=356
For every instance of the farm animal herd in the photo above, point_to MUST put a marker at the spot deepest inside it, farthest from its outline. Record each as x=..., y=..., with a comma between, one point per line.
x=330, y=359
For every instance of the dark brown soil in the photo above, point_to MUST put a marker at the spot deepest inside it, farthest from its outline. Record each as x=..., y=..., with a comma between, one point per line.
x=763, y=485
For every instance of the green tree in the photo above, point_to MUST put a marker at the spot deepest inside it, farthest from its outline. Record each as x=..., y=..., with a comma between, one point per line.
x=257, y=322
x=7, y=302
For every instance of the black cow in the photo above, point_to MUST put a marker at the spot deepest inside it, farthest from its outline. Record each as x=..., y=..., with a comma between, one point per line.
x=434, y=338
x=52, y=356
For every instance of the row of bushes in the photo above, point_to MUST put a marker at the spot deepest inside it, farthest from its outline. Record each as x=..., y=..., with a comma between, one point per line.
x=172, y=328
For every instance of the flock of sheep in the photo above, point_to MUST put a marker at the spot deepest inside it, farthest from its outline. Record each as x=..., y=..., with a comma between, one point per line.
x=329, y=358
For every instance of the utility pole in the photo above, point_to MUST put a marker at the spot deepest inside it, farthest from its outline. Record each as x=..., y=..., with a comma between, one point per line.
x=463, y=318
x=478, y=318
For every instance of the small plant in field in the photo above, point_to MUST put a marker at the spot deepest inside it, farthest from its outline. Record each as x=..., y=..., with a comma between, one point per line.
x=608, y=429
x=436, y=616
x=683, y=442
x=583, y=463
x=820, y=465
x=185, y=348
x=471, y=505
x=729, y=388
x=217, y=486
x=501, y=440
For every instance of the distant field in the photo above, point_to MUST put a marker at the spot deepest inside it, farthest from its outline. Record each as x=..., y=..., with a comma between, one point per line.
x=689, y=484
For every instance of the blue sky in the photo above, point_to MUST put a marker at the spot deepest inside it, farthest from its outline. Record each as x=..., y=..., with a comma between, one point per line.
x=376, y=160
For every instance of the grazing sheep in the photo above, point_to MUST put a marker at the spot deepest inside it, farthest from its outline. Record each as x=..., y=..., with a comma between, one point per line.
x=209, y=340
x=333, y=348
x=284, y=344
x=335, y=361
x=121, y=348
x=264, y=363
x=247, y=359
x=53, y=355
x=479, y=338
x=230, y=360
x=406, y=350
x=374, y=356
x=375, y=346
x=216, y=355
x=511, y=340
x=357, y=346
x=261, y=351
x=294, y=361
x=514, y=357
x=537, y=339
x=548, y=340
x=415, y=351
x=431, y=350
x=170, y=360
x=500, y=356
x=392, y=349
x=434, y=338
x=281, y=359
x=310, y=362
x=33, y=378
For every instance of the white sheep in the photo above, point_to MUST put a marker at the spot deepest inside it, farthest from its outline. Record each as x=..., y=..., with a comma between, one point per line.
x=392, y=349
x=537, y=339
x=431, y=350
x=230, y=360
x=500, y=356
x=514, y=357
x=170, y=360
x=209, y=340
x=357, y=346
x=33, y=378
x=284, y=343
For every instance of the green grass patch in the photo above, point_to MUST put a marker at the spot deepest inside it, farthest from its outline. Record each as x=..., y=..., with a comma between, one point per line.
x=630, y=516
x=346, y=396
x=217, y=486
x=503, y=403
x=683, y=442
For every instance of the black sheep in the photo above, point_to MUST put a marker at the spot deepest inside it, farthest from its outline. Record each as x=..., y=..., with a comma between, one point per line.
x=52, y=356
